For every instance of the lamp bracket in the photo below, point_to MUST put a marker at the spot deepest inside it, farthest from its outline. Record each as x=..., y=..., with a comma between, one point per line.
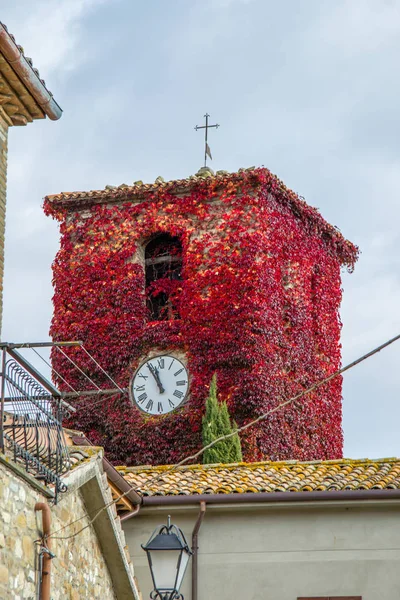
x=155, y=595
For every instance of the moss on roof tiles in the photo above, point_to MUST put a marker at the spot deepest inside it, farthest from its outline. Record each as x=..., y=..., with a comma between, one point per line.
x=283, y=476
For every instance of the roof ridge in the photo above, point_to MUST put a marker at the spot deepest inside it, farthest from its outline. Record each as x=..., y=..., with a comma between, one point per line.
x=159, y=182
x=256, y=178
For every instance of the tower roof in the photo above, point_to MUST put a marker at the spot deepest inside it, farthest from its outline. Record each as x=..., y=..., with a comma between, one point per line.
x=205, y=180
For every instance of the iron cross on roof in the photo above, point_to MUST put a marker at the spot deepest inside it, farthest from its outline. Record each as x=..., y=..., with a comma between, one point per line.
x=207, y=151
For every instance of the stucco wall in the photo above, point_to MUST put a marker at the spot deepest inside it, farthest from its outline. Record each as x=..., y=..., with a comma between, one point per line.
x=266, y=553
x=78, y=571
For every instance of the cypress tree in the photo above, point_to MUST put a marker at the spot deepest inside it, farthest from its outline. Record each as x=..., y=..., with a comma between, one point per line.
x=217, y=422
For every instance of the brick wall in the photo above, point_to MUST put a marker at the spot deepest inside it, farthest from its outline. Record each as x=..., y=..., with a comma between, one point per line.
x=3, y=186
x=78, y=571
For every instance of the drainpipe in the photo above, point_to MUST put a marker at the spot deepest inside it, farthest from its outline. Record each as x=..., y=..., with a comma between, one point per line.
x=274, y=497
x=45, y=552
x=195, y=535
x=131, y=514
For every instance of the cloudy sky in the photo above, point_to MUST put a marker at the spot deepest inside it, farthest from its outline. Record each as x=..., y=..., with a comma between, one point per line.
x=309, y=89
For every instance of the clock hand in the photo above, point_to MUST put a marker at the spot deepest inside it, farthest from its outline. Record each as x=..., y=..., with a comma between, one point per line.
x=160, y=385
x=154, y=372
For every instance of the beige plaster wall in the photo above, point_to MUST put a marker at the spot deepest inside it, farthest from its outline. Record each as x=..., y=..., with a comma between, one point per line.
x=269, y=553
x=78, y=571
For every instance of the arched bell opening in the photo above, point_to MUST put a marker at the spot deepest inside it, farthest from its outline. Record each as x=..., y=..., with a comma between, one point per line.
x=163, y=269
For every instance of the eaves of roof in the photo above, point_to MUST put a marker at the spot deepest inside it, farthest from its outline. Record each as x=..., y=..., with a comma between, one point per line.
x=88, y=478
x=22, y=66
x=264, y=498
x=81, y=443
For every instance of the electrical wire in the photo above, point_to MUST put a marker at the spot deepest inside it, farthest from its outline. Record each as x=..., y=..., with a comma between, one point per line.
x=76, y=367
x=227, y=436
x=54, y=371
x=101, y=369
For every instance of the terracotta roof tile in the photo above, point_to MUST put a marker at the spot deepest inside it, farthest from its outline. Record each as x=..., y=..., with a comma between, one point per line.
x=138, y=189
x=27, y=58
x=344, y=474
x=141, y=192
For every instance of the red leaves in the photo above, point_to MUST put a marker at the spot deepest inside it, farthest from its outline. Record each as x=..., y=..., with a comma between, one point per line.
x=258, y=304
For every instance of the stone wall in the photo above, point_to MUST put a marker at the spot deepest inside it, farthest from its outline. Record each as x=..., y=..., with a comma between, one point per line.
x=3, y=187
x=78, y=571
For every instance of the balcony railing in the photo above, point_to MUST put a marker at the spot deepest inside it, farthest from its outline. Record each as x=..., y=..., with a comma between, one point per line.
x=32, y=411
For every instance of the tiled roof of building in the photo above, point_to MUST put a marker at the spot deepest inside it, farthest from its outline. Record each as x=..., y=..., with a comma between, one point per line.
x=81, y=454
x=23, y=94
x=253, y=478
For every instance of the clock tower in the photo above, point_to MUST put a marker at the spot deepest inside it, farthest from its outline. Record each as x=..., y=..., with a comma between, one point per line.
x=170, y=282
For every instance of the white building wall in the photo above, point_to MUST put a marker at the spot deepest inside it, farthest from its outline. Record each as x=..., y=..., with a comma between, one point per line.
x=279, y=552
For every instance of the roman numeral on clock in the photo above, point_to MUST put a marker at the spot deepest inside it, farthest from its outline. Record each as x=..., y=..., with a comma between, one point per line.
x=142, y=398
x=160, y=385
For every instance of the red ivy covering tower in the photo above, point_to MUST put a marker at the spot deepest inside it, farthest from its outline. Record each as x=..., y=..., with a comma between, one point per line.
x=256, y=302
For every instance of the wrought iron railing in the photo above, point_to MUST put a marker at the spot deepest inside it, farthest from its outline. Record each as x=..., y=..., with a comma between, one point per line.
x=31, y=420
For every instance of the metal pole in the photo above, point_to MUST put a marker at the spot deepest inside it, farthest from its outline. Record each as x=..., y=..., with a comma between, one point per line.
x=205, y=146
x=107, y=392
x=40, y=344
x=3, y=389
x=195, y=547
x=34, y=372
x=39, y=377
x=206, y=127
x=46, y=547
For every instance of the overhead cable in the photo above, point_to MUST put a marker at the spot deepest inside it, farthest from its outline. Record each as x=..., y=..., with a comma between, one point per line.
x=102, y=370
x=53, y=370
x=227, y=436
x=77, y=367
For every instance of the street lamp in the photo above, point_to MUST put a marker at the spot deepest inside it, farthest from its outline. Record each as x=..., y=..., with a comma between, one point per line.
x=168, y=555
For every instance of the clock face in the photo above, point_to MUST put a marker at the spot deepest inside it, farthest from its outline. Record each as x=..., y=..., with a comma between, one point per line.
x=160, y=385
